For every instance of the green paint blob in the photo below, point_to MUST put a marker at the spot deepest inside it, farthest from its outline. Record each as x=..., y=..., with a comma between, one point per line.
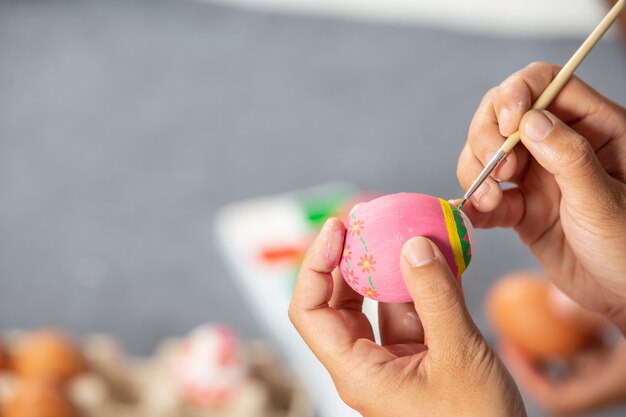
x=318, y=208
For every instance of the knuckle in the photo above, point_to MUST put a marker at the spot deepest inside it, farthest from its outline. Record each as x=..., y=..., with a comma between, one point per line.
x=472, y=354
x=349, y=395
x=513, y=217
x=438, y=295
x=538, y=66
x=354, y=398
x=460, y=172
x=362, y=401
x=487, y=100
x=483, y=135
x=489, y=96
x=478, y=353
x=483, y=109
x=462, y=165
x=576, y=154
x=292, y=314
x=306, y=258
x=514, y=91
x=355, y=380
x=510, y=83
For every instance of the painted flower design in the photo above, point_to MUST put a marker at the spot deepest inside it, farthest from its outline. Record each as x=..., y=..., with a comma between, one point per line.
x=355, y=227
x=349, y=276
x=370, y=292
x=347, y=253
x=367, y=263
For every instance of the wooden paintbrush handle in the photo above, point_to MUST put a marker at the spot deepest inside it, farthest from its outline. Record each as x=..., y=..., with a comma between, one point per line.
x=566, y=72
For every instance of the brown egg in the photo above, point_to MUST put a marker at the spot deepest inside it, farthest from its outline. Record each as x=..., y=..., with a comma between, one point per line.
x=4, y=357
x=47, y=354
x=36, y=398
x=523, y=310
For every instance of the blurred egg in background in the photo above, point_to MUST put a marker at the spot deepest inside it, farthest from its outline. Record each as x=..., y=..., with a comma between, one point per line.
x=529, y=312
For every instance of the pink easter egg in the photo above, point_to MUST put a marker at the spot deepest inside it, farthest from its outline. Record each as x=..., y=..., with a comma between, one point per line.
x=209, y=367
x=376, y=232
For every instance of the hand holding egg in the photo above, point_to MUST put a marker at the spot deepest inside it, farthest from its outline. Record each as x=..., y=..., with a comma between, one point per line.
x=412, y=373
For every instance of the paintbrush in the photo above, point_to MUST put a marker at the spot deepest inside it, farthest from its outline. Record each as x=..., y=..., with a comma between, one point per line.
x=549, y=93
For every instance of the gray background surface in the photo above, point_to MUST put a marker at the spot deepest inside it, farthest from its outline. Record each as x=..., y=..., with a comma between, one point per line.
x=125, y=125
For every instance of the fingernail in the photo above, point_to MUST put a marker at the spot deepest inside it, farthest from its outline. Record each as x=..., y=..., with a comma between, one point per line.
x=489, y=156
x=504, y=121
x=331, y=224
x=331, y=242
x=537, y=126
x=418, y=251
x=482, y=190
x=494, y=173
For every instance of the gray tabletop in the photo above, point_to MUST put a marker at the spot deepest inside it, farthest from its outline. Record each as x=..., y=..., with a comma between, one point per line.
x=124, y=126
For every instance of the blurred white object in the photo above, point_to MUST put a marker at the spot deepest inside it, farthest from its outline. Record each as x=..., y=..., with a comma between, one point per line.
x=209, y=366
x=244, y=227
x=500, y=17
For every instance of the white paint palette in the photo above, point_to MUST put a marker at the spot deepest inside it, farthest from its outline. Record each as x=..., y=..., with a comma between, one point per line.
x=262, y=240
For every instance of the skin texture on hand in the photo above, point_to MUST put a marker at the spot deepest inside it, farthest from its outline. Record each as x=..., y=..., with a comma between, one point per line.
x=569, y=198
x=432, y=361
x=594, y=378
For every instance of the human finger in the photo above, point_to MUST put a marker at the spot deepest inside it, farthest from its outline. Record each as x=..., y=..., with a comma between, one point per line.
x=485, y=139
x=399, y=324
x=509, y=212
x=437, y=295
x=344, y=297
x=570, y=158
x=322, y=327
x=488, y=196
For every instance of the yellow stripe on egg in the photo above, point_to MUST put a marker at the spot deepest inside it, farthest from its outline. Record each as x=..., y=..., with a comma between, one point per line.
x=453, y=236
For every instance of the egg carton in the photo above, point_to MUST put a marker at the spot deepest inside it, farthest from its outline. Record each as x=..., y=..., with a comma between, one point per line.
x=117, y=385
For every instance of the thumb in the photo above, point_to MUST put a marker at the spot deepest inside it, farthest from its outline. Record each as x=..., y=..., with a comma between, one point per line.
x=437, y=296
x=568, y=156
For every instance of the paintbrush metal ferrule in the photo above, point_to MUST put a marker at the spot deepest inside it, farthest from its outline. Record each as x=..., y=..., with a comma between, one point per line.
x=497, y=158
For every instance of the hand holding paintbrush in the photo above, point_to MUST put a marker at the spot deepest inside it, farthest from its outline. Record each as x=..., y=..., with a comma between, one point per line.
x=548, y=95
x=569, y=198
